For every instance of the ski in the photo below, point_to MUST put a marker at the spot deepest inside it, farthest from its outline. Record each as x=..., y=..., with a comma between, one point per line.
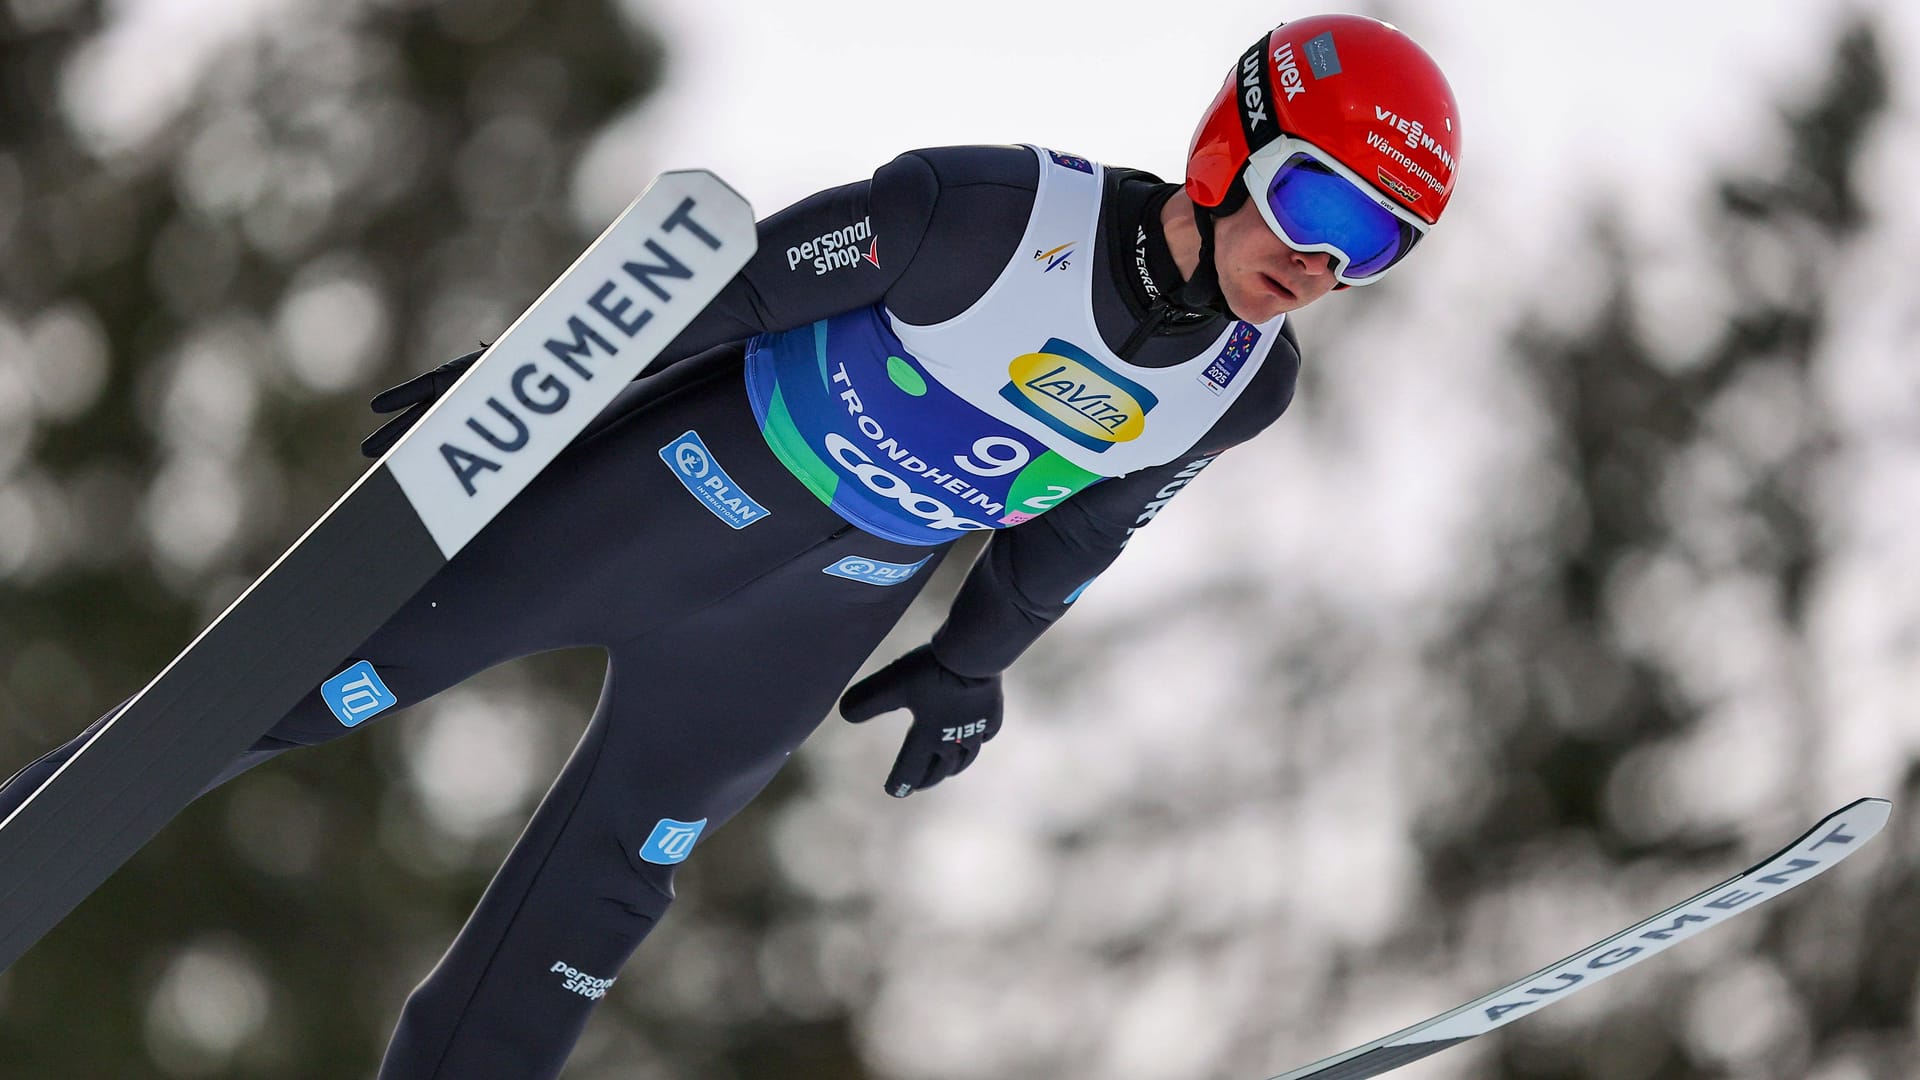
x=1838, y=835
x=562, y=361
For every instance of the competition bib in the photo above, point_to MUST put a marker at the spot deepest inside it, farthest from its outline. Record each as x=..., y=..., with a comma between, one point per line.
x=919, y=433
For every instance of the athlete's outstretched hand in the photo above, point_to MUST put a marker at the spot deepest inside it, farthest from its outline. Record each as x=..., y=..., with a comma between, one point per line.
x=952, y=716
x=416, y=395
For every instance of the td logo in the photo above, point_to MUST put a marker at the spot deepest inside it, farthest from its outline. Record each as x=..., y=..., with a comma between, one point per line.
x=671, y=841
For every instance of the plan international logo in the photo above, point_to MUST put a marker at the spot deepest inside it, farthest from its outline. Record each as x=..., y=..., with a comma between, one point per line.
x=693, y=465
x=1079, y=397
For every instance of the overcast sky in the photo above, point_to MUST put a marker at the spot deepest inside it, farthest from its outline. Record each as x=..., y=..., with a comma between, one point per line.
x=783, y=99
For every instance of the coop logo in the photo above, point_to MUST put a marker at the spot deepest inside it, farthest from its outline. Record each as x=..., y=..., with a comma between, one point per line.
x=1289, y=70
x=874, y=571
x=837, y=250
x=671, y=841
x=1055, y=258
x=1079, y=397
x=697, y=471
x=357, y=694
x=932, y=513
x=575, y=981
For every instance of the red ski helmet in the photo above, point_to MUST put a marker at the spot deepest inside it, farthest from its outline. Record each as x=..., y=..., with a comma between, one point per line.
x=1357, y=89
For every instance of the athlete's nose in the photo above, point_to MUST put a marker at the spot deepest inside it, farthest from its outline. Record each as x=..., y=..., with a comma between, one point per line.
x=1314, y=262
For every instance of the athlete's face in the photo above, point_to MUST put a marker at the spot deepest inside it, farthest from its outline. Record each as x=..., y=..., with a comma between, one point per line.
x=1260, y=276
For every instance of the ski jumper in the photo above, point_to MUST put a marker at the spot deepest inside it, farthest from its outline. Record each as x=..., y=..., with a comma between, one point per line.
x=935, y=351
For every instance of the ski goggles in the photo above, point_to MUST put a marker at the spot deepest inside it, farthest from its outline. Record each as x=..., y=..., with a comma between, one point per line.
x=1315, y=203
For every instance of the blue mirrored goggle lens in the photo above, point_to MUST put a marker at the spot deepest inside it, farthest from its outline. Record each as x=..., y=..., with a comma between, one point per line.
x=1315, y=205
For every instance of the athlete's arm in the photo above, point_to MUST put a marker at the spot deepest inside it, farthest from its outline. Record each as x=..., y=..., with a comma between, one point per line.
x=833, y=251
x=929, y=233
x=963, y=208
x=1031, y=573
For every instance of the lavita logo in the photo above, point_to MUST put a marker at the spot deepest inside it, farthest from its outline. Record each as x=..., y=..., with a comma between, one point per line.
x=1063, y=386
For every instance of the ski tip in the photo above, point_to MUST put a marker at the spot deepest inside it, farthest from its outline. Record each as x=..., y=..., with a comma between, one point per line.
x=1868, y=816
x=702, y=177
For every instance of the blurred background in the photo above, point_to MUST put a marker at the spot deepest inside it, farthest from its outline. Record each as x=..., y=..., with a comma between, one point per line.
x=1580, y=575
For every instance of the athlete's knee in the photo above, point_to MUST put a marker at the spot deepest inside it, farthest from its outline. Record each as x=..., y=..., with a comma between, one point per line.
x=24, y=783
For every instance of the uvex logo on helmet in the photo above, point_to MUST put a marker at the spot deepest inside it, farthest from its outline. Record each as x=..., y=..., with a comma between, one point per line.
x=1253, y=90
x=1289, y=71
x=1254, y=93
x=1322, y=80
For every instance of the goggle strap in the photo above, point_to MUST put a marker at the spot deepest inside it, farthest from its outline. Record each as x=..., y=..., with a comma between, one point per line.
x=1202, y=290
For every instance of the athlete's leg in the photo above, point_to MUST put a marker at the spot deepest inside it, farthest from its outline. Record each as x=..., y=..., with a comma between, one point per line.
x=546, y=574
x=694, y=720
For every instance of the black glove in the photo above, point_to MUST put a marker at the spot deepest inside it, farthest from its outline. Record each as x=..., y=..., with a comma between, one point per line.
x=952, y=716
x=416, y=395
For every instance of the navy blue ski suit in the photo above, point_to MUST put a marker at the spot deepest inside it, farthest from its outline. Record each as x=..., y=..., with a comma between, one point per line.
x=727, y=645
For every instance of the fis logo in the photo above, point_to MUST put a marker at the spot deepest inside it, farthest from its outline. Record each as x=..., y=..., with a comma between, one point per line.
x=1069, y=161
x=1079, y=397
x=1055, y=258
x=1233, y=356
x=357, y=694
x=873, y=571
x=696, y=469
x=671, y=841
